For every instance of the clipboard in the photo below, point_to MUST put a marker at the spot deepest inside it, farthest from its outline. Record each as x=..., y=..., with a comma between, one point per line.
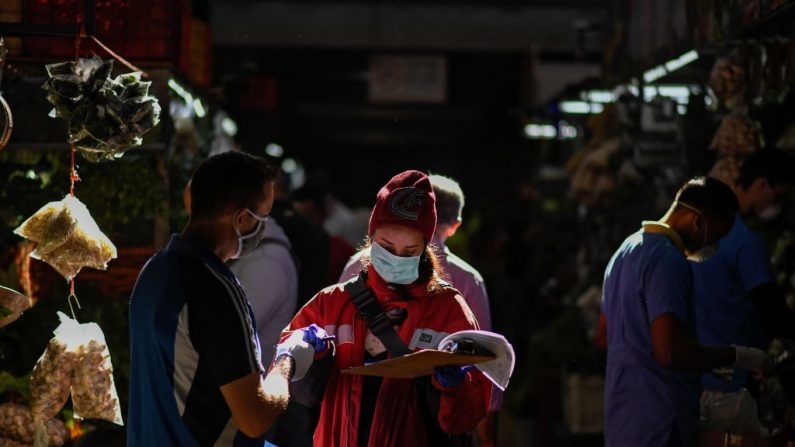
x=416, y=364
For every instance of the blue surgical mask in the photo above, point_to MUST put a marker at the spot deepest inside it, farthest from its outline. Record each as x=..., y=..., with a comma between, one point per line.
x=394, y=269
x=248, y=242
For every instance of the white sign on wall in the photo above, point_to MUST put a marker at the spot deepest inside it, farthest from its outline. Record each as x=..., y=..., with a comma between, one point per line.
x=399, y=78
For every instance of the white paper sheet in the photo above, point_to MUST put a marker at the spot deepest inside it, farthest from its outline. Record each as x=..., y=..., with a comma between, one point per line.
x=498, y=370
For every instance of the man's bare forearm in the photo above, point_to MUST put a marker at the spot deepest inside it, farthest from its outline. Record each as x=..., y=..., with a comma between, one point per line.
x=276, y=384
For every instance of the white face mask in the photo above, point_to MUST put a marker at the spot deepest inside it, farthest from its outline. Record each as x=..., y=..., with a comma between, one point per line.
x=771, y=212
x=247, y=243
x=705, y=251
x=392, y=268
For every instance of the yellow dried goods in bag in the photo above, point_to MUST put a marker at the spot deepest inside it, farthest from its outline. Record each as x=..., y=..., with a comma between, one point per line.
x=50, y=381
x=49, y=227
x=68, y=238
x=93, y=391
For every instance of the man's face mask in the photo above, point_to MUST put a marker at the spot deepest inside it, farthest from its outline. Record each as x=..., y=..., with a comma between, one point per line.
x=394, y=269
x=706, y=250
x=248, y=242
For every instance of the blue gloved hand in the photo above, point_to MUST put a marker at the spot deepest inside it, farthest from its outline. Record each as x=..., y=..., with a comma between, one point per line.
x=303, y=345
x=450, y=376
x=317, y=337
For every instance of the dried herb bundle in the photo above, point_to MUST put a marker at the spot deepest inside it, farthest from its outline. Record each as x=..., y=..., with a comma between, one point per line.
x=106, y=117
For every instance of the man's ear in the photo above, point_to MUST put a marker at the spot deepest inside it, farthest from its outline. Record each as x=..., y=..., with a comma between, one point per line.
x=453, y=228
x=237, y=217
x=759, y=185
x=698, y=222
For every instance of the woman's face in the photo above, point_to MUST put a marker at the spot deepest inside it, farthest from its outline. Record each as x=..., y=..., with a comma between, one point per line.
x=399, y=240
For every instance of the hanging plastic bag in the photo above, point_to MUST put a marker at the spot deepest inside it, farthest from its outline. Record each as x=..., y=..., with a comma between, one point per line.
x=76, y=360
x=52, y=376
x=16, y=427
x=93, y=390
x=67, y=237
x=734, y=412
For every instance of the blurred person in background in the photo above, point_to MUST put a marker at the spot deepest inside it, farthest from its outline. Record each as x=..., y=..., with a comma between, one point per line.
x=737, y=299
x=311, y=203
x=648, y=322
x=308, y=241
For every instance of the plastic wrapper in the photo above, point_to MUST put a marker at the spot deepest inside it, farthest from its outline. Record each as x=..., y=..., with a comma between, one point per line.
x=76, y=360
x=12, y=304
x=67, y=237
x=51, y=378
x=105, y=116
x=93, y=391
x=737, y=135
x=16, y=427
x=734, y=412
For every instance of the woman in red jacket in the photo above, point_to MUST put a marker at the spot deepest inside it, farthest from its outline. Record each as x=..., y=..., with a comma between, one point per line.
x=403, y=275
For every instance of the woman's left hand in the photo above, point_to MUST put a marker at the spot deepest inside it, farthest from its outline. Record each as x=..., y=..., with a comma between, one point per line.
x=450, y=376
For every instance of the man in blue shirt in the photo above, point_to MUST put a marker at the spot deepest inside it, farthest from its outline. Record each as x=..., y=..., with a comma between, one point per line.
x=735, y=288
x=647, y=312
x=196, y=376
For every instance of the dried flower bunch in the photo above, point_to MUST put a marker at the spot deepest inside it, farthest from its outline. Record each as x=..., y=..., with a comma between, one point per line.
x=106, y=117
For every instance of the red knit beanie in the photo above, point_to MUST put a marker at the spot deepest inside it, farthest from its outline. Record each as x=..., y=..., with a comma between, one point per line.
x=407, y=200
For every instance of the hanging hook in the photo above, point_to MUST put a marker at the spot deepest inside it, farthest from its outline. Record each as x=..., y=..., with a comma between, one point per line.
x=71, y=309
x=69, y=299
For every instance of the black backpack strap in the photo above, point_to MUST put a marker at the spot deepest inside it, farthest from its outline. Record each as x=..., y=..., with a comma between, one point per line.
x=367, y=305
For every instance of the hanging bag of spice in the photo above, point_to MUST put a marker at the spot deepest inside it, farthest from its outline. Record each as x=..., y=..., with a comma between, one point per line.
x=52, y=376
x=67, y=237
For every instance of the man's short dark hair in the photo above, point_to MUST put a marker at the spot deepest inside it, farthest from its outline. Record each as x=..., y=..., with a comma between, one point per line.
x=449, y=199
x=229, y=181
x=774, y=165
x=710, y=196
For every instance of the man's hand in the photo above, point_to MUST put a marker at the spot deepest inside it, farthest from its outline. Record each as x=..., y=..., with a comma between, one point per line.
x=754, y=360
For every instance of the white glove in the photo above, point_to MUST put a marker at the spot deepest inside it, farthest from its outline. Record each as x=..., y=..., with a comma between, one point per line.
x=302, y=352
x=754, y=360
